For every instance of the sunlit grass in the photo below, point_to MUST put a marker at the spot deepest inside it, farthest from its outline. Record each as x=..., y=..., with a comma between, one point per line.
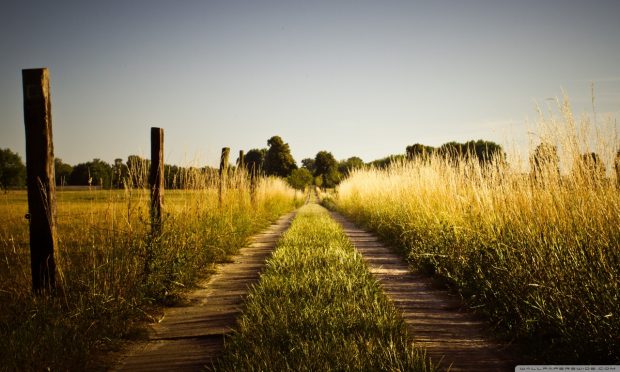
x=112, y=273
x=318, y=308
x=539, y=254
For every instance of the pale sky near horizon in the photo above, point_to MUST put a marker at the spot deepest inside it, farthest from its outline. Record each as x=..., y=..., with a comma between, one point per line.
x=357, y=78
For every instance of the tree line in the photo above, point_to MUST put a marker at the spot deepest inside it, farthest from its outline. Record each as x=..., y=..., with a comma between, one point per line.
x=276, y=160
x=133, y=172
x=325, y=171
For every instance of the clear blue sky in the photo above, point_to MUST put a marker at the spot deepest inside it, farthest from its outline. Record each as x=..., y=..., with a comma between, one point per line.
x=363, y=78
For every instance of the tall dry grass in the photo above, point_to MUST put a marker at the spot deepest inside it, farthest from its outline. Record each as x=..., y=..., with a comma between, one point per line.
x=536, y=250
x=112, y=272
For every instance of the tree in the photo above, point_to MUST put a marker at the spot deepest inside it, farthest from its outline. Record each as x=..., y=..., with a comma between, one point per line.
x=96, y=173
x=308, y=163
x=545, y=161
x=419, y=151
x=300, y=178
x=172, y=176
x=278, y=160
x=327, y=168
x=387, y=161
x=119, y=173
x=318, y=180
x=138, y=171
x=346, y=166
x=12, y=169
x=62, y=172
x=486, y=152
x=255, y=160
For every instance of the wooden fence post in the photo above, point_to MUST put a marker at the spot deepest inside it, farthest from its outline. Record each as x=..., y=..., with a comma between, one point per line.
x=241, y=176
x=40, y=178
x=617, y=168
x=156, y=179
x=241, y=160
x=223, y=172
x=253, y=185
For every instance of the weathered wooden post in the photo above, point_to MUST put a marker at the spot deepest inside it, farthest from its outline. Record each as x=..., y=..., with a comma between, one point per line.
x=617, y=167
x=156, y=179
x=253, y=184
x=223, y=172
x=241, y=160
x=240, y=174
x=40, y=178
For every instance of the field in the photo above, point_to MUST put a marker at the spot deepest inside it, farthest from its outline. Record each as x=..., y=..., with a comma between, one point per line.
x=531, y=246
x=113, y=275
x=535, y=251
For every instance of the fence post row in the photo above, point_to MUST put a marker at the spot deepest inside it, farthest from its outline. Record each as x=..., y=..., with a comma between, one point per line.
x=156, y=179
x=40, y=178
x=223, y=173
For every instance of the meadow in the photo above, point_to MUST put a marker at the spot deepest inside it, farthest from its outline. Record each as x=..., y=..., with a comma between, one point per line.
x=535, y=250
x=113, y=275
x=530, y=242
x=318, y=308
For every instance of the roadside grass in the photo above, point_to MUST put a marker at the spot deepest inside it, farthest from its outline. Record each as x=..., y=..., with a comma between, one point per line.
x=539, y=255
x=113, y=275
x=318, y=308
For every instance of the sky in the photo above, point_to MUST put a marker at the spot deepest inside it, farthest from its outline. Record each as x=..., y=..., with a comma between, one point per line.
x=357, y=78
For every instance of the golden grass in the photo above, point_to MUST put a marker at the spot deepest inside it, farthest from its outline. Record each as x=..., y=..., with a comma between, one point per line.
x=538, y=253
x=112, y=272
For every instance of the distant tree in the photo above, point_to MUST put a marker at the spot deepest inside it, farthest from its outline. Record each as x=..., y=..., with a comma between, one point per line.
x=300, y=178
x=278, y=160
x=452, y=151
x=486, y=152
x=327, y=168
x=318, y=181
x=93, y=173
x=324, y=162
x=172, y=176
x=101, y=173
x=119, y=173
x=138, y=171
x=308, y=163
x=387, y=161
x=12, y=169
x=255, y=160
x=346, y=166
x=545, y=161
x=62, y=172
x=419, y=151
x=80, y=175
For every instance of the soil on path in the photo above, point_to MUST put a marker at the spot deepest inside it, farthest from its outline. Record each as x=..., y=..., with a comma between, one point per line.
x=191, y=337
x=436, y=320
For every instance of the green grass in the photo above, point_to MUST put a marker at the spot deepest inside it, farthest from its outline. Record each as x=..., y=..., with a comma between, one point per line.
x=317, y=308
x=109, y=288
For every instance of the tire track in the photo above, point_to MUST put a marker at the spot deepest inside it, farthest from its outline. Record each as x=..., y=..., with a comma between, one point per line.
x=190, y=337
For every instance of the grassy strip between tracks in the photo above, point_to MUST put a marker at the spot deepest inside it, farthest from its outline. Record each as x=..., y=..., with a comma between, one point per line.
x=318, y=308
